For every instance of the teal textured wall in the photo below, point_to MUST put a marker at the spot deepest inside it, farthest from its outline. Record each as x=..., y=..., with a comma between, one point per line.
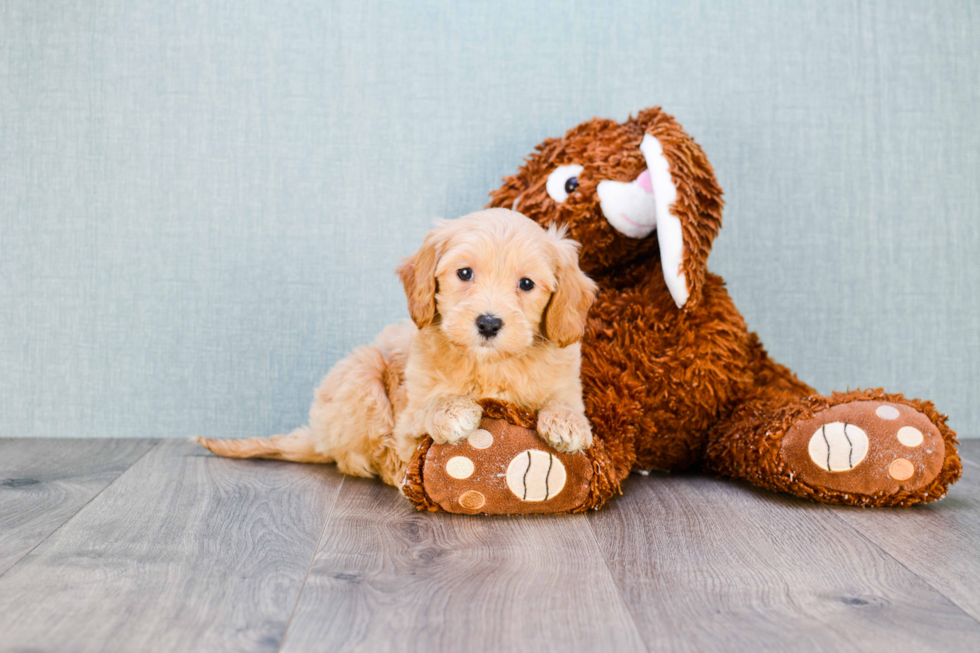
x=201, y=203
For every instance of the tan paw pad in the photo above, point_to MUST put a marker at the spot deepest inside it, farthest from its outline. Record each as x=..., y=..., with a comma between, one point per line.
x=535, y=475
x=901, y=469
x=472, y=500
x=481, y=439
x=838, y=446
x=459, y=467
x=910, y=436
x=885, y=411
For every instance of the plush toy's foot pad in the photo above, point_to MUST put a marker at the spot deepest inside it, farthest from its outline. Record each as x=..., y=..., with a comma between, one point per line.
x=865, y=448
x=503, y=469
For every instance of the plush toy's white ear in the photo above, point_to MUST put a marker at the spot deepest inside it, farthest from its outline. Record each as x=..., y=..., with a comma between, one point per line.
x=669, y=233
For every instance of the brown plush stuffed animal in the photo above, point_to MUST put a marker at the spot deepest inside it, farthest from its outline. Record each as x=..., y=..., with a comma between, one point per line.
x=672, y=376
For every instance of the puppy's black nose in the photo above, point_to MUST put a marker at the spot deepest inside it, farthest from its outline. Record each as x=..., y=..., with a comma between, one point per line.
x=489, y=325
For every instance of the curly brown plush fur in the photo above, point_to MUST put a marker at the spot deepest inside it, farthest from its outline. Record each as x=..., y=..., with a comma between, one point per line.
x=669, y=385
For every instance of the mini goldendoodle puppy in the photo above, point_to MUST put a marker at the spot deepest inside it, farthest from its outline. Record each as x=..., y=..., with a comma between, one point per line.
x=499, y=305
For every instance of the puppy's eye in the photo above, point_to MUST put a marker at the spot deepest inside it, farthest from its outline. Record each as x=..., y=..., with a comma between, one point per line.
x=465, y=274
x=562, y=181
x=526, y=284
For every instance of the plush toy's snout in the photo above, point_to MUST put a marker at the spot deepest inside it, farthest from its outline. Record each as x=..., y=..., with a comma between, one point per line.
x=629, y=206
x=637, y=208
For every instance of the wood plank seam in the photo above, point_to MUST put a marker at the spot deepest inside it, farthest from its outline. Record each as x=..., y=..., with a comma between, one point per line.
x=619, y=590
x=926, y=581
x=81, y=508
x=309, y=567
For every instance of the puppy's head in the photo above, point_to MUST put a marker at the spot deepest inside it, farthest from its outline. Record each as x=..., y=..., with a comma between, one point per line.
x=495, y=283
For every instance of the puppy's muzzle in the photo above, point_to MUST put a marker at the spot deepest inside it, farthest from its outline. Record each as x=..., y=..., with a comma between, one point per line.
x=489, y=325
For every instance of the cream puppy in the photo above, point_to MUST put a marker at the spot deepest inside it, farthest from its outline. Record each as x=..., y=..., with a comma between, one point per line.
x=498, y=306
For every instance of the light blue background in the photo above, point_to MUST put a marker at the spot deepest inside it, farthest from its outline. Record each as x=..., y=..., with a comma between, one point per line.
x=202, y=202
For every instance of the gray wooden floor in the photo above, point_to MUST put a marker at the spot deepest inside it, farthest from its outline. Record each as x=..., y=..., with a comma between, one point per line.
x=141, y=545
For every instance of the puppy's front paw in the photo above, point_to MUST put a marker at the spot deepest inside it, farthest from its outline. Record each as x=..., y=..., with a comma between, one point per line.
x=565, y=429
x=454, y=419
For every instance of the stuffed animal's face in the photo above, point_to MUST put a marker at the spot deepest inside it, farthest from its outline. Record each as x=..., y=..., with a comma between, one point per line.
x=626, y=191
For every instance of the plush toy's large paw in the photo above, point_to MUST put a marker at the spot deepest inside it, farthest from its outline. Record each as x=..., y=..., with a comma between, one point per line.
x=870, y=448
x=501, y=468
x=565, y=429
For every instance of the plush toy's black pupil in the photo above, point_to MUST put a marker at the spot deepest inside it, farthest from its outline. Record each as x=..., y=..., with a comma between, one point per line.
x=464, y=273
x=526, y=284
x=571, y=185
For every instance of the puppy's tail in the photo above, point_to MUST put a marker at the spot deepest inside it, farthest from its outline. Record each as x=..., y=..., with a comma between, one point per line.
x=298, y=446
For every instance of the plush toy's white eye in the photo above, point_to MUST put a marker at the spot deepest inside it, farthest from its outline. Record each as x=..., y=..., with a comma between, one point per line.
x=562, y=181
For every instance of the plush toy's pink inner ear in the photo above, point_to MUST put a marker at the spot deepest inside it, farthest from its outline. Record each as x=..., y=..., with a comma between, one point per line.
x=669, y=233
x=629, y=207
x=643, y=181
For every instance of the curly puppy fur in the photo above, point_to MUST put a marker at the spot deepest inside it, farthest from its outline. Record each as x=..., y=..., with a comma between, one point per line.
x=425, y=376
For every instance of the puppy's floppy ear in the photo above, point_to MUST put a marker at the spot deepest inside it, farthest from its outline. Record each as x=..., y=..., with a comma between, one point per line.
x=568, y=310
x=418, y=275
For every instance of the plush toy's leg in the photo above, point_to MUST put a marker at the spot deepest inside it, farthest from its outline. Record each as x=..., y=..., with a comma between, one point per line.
x=863, y=447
